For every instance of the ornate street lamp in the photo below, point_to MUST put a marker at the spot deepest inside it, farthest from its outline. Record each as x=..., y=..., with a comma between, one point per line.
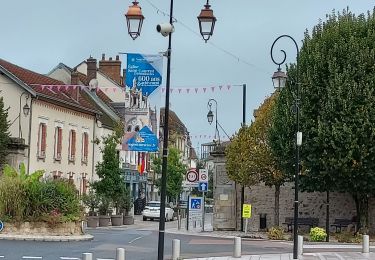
x=26, y=109
x=279, y=79
x=134, y=20
x=207, y=22
x=210, y=117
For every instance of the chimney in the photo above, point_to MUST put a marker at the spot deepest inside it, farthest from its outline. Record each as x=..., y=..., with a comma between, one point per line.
x=74, y=78
x=91, y=69
x=112, y=68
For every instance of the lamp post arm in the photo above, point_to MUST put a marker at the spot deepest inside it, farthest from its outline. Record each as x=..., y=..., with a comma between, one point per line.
x=223, y=130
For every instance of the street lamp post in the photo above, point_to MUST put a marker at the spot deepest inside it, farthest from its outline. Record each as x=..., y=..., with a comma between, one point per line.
x=210, y=117
x=134, y=18
x=279, y=79
x=25, y=110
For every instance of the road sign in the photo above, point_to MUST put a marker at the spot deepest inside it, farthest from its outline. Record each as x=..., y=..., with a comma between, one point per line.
x=192, y=175
x=195, y=204
x=203, y=175
x=203, y=186
x=1, y=226
x=246, y=211
x=188, y=184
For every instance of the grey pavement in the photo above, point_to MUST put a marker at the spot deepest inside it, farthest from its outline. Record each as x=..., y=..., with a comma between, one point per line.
x=84, y=237
x=306, y=256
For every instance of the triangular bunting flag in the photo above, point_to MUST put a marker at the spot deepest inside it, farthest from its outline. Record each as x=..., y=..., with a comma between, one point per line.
x=213, y=89
x=179, y=91
x=220, y=87
x=196, y=90
x=188, y=90
x=204, y=90
x=228, y=87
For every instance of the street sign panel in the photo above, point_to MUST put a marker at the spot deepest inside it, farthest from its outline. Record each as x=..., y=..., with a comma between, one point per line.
x=195, y=204
x=203, y=186
x=192, y=175
x=246, y=211
x=188, y=184
x=1, y=226
x=203, y=175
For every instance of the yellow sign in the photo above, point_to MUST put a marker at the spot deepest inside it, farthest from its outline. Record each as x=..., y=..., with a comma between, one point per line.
x=246, y=211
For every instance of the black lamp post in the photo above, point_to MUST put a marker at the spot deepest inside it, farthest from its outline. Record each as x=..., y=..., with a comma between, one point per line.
x=25, y=110
x=279, y=79
x=210, y=117
x=206, y=24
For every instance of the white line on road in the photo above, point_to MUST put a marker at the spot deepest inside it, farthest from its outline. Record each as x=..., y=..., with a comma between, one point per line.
x=105, y=259
x=32, y=257
x=135, y=239
x=1, y=256
x=69, y=258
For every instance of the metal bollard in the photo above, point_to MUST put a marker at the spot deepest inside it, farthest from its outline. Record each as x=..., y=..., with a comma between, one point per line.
x=300, y=245
x=120, y=253
x=179, y=222
x=237, y=247
x=87, y=256
x=365, y=244
x=175, y=249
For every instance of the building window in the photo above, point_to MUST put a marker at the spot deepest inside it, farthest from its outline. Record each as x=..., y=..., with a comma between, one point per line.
x=72, y=145
x=42, y=140
x=85, y=147
x=136, y=129
x=129, y=129
x=58, y=143
x=71, y=177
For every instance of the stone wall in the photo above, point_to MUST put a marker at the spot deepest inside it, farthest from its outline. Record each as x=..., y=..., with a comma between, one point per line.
x=42, y=228
x=312, y=204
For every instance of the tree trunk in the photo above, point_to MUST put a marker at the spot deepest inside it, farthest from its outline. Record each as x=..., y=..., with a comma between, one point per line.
x=361, y=201
x=277, y=205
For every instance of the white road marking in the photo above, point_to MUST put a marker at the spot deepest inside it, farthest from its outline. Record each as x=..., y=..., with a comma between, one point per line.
x=69, y=258
x=1, y=256
x=32, y=257
x=105, y=259
x=135, y=239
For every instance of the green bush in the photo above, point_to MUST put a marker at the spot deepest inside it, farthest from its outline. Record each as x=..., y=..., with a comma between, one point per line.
x=12, y=199
x=348, y=237
x=276, y=233
x=26, y=198
x=318, y=234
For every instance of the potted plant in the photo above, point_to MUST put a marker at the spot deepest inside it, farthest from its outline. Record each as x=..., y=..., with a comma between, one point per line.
x=126, y=206
x=91, y=201
x=103, y=212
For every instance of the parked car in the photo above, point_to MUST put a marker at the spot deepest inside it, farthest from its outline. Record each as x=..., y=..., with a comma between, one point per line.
x=152, y=211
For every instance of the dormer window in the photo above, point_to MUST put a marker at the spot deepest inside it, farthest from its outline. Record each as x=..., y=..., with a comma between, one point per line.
x=136, y=128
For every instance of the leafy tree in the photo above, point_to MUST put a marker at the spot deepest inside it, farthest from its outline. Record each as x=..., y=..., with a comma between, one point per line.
x=4, y=132
x=239, y=164
x=336, y=73
x=256, y=161
x=175, y=173
x=111, y=184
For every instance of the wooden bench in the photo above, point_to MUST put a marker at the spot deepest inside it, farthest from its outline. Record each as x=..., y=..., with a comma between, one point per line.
x=340, y=223
x=310, y=222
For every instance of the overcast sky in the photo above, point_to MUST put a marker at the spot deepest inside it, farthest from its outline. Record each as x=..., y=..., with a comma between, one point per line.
x=39, y=34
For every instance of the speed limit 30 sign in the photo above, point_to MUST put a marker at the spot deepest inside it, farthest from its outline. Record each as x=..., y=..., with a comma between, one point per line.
x=192, y=175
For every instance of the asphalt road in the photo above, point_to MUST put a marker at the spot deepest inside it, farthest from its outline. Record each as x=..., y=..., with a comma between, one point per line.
x=140, y=242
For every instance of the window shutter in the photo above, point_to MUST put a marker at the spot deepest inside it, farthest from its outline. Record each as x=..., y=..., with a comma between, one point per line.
x=59, y=142
x=73, y=145
x=44, y=140
x=85, y=146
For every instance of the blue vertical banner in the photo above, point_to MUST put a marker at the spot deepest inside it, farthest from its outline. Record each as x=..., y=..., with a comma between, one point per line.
x=144, y=72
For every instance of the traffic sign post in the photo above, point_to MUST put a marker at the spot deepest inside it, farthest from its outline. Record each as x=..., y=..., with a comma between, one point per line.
x=203, y=175
x=192, y=175
x=246, y=214
x=1, y=226
x=203, y=186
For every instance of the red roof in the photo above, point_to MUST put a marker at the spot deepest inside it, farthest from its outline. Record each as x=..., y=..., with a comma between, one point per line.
x=58, y=92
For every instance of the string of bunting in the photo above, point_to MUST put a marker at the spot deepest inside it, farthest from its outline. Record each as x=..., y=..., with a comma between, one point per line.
x=207, y=137
x=176, y=90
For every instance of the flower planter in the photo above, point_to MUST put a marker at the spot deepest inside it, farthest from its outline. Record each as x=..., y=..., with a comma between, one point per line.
x=128, y=220
x=92, y=221
x=116, y=220
x=104, y=220
x=43, y=229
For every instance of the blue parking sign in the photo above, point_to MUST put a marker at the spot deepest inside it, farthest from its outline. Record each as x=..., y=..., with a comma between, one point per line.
x=1, y=226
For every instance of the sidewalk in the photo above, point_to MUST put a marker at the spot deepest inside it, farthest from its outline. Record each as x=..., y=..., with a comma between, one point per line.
x=306, y=256
x=323, y=255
